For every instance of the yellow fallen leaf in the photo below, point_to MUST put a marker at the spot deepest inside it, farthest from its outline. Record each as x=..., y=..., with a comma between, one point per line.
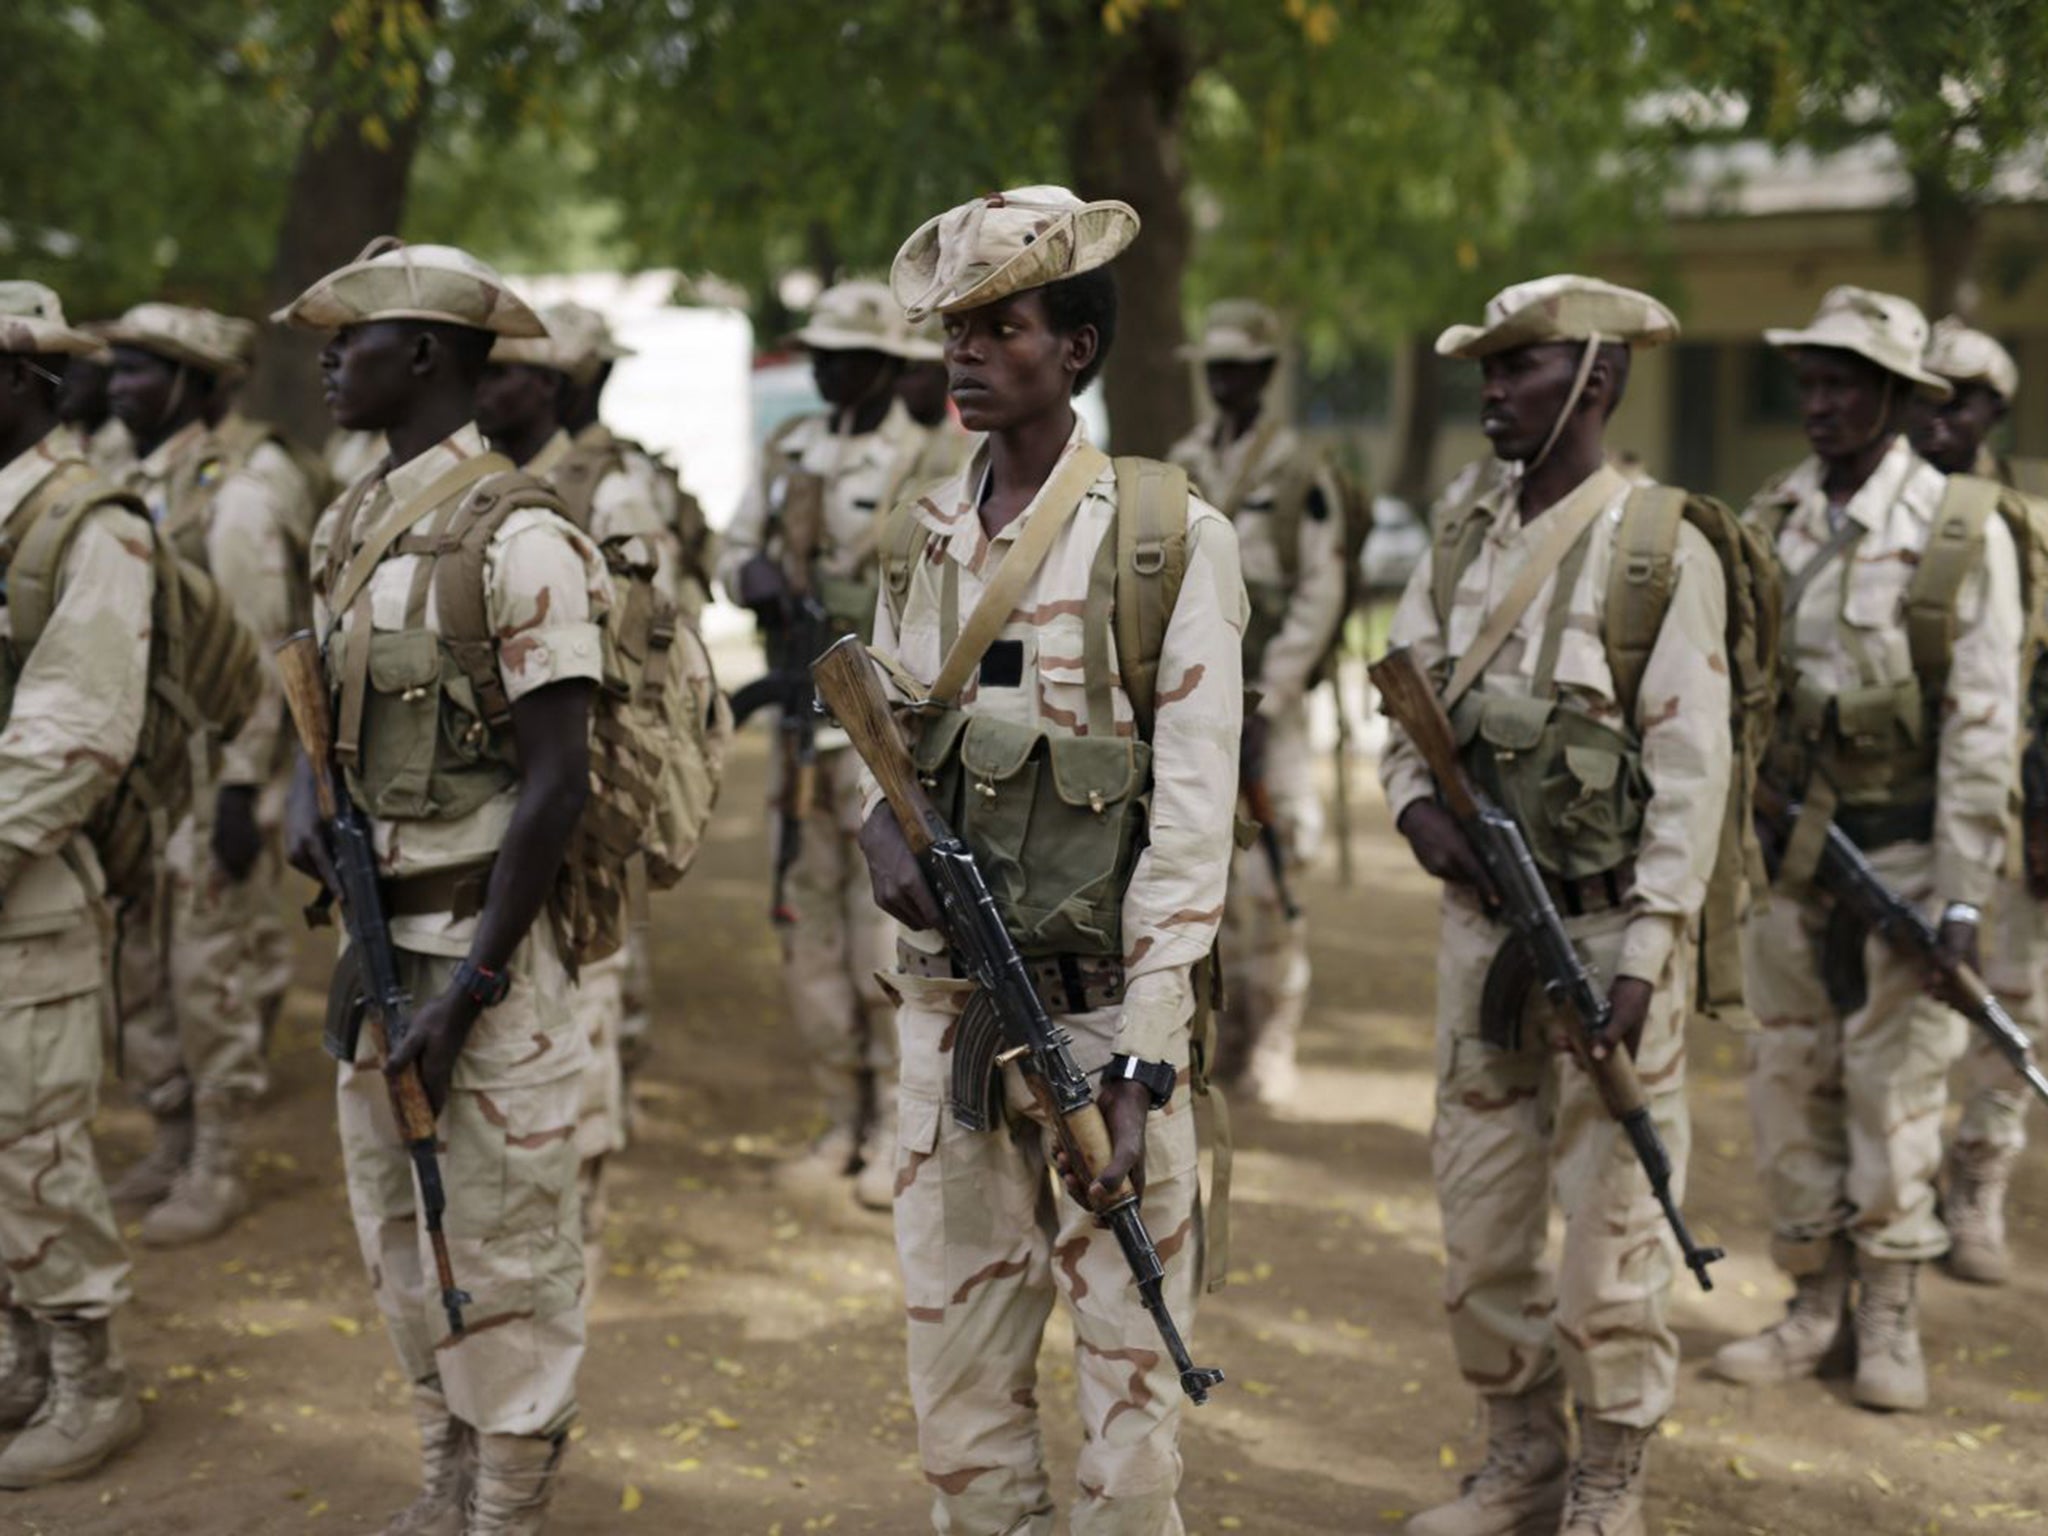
x=687, y=1464
x=629, y=1500
x=262, y=1331
x=1968, y=1441
x=348, y=1327
x=317, y=1510
x=1446, y=1456
x=720, y=1419
x=1883, y=1483
x=1260, y=1388
x=1671, y=1429
x=1231, y=1523
x=1804, y=1466
x=1742, y=1469
x=2026, y=1395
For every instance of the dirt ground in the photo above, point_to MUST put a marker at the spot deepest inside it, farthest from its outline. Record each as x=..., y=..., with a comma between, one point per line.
x=745, y=1373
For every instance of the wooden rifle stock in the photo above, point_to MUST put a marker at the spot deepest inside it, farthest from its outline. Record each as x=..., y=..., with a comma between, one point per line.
x=1408, y=699
x=851, y=689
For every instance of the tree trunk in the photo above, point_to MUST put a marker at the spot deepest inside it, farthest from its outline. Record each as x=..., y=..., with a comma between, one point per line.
x=1126, y=145
x=345, y=191
x=1414, y=477
x=1951, y=230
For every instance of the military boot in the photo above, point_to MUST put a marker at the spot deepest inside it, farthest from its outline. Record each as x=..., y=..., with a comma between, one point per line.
x=1808, y=1340
x=24, y=1367
x=1519, y=1488
x=1890, y=1372
x=1973, y=1206
x=150, y=1180
x=447, y=1468
x=515, y=1481
x=1604, y=1495
x=88, y=1415
x=208, y=1194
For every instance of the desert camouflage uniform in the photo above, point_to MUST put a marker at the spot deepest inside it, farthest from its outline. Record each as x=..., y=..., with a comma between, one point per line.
x=1265, y=955
x=109, y=447
x=508, y=1131
x=1847, y=1111
x=77, y=713
x=1516, y=1129
x=840, y=938
x=192, y=1030
x=985, y=1241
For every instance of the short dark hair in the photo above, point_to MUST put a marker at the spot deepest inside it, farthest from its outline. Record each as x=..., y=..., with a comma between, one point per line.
x=469, y=346
x=1087, y=298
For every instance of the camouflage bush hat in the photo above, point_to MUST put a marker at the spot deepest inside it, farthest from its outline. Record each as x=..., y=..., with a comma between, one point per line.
x=32, y=321
x=1006, y=243
x=1880, y=327
x=856, y=316
x=1966, y=356
x=391, y=280
x=1564, y=307
x=578, y=343
x=1237, y=331
x=198, y=338
x=927, y=343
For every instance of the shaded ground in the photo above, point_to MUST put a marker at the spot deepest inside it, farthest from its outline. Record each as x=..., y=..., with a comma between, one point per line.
x=744, y=1373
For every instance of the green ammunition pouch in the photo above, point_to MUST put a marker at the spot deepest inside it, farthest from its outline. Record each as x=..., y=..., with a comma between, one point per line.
x=1056, y=823
x=427, y=750
x=1575, y=786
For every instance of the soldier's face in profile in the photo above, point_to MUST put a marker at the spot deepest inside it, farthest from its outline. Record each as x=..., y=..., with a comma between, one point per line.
x=142, y=389
x=1521, y=393
x=516, y=397
x=84, y=395
x=368, y=373
x=1948, y=433
x=1007, y=365
x=1845, y=401
x=847, y=378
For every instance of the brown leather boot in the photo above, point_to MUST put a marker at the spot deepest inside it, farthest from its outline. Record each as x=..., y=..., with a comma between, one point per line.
x=1604, y=1495
x=515, y=1482
x=1807, y=1339
x=1973, y=1206
x=447, y=1468
x=1519, y=1488
x=1890, y=1371
x=89, y=1414
x=24, y=1367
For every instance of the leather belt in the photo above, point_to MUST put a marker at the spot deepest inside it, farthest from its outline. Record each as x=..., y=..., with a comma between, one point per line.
x=1871, y=827
x=1592, y=893
x=457, y=892
x=1064, y=983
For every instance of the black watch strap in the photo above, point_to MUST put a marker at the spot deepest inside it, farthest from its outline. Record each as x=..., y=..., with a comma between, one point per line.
x=485, y=988
x=1157, y=1077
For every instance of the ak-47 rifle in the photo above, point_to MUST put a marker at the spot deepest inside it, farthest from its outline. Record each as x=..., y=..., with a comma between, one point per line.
x=1843, y=873
x=1259, y=802
x=388, y=1006
x=852, y=692
x=1526, y=907
x=797, y=629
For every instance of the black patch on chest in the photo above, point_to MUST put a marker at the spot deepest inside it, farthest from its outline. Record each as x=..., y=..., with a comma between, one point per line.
x=1003, y=665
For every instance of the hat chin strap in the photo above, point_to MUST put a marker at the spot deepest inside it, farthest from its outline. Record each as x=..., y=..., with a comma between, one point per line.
x=1571, y=402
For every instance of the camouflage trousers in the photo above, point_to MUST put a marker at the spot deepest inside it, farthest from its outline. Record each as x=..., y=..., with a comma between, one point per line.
x=598, y=999
x=1265, y=953
x=1995, y=1099
x=508, y=1161
x=1516, y=1129
x=192, y=995
x=987, y=1242
x=636, y=985
x=61, y=1249
x=832, y=952
x=1847, y=1111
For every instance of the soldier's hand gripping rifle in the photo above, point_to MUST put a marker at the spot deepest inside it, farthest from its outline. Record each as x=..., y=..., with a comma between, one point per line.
x=1844, y=874
x=852, y=692
x=388, y=1006
x=1526, y=907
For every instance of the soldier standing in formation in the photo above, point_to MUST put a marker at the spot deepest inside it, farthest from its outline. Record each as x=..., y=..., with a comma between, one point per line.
x=519, y=408
x=472, y=803
x=845, y=466
x=71, y=709
x=1953, y=435
x=1506, y=612
x=85, y=407
x=923, y=387
x=1254, y=468
x=1907, y=743
x=193, y=977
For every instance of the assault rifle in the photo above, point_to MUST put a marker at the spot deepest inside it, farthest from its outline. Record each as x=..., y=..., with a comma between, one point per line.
x=1846, y=875
x=388, y=1006
x=1524, y=904
x=982, y=945
x=1259, y=802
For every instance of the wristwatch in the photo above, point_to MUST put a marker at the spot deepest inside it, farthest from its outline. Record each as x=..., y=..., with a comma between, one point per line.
x=483, y=987
x=1156, y=1077
x=1962, y=912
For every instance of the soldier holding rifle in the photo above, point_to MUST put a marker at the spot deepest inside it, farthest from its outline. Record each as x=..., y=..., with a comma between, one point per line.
x=470, y=796
x=1621, y=802
x=1070, y=629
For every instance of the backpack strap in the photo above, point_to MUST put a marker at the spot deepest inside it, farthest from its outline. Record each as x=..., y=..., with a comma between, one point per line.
x=32, y=559
x=1955, y=547
x=460, y=602
x=1151, y=559
x=901, y=539
x=1639, y=585
x=579, y=473
x=1459, y=533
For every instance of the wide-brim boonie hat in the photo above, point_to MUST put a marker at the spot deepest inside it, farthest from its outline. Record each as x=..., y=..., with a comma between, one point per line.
x=1881, y=328
x=32, y=322
x=198, y=338
x=1006, y=243
x=1563, y=307
x=1236, y=331
x=391, y=280
x=926, y=342
x=859, y=315
x=579, y=342
x=1964, y=355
